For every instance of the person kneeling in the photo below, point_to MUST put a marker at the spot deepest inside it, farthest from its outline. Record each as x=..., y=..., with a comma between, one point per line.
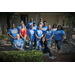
x=18, y=43
x=43, y=46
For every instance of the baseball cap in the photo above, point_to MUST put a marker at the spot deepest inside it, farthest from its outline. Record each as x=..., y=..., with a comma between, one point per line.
x=34, y=22
x=41, y=18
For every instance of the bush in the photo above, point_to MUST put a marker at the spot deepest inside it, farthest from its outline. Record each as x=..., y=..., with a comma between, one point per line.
x=22, y=56
x=2, y=54
x=2, y=37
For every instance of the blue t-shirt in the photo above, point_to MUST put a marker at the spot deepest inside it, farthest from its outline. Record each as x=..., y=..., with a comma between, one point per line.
x=29, y=24
x=20, y=27
x=18, y=43
x=39, y=33
x=54, y=30
x=49, y=34
x=42, y=48
x=59, y=34
x=31, y=33
x=35, y=27
x=13, y=33
x=44, y=29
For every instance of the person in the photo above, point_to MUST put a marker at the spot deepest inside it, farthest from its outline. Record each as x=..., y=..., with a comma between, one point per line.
x=34, y=27
x=44, y=27
x=59, y=37
x=49, y=35
x=29, y=23
x=21, y=22
x=30, y=33
x=23, y=34
x=12, y=33
x=41, y=22
x=44, y=47
x=38, y=34
x=18, y=43
x=54, y=28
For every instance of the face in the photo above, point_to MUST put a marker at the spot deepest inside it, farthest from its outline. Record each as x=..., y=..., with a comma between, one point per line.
x=17, y=36
x=43, y=39
x=41, y=20
x=40, y=26
x=22, y=25
x=59, y=28
x=31, y=26
x=49, y=27
x=13, y=26
x=31, y=19
x=44, y=23
x=21, y=22
x=54, y=26
x=34, y=24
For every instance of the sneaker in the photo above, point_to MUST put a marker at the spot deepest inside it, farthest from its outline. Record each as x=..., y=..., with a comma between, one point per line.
x=51, y=57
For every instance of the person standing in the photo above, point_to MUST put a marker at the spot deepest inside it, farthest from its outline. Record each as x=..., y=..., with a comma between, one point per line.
x=21, y=22
x=54, y=28
x=30, y=33
x=49, y=35
x=23, y=34
x=38, y=34
x=59, y=37
x=18, y=43
x=44, y=27
x=12, y=33
x=29, y=23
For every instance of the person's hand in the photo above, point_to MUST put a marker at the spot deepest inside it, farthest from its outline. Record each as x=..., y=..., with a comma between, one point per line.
x=47, y=39
x=20, y=49
x=29, y=39
x=61, y=41
x=39, y=37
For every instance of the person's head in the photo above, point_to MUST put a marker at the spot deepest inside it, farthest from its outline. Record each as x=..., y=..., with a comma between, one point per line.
x=31, y=19
x=34, y=23
x=41, y=19
x=40, y=26
x=17, y=36
x=21, y=22
x=54, y=25
x=43, y=39
x=60, y=27
x=44, y=22
x=13, y=25
x=22, y=25
x=31, y=26
x=49, y=27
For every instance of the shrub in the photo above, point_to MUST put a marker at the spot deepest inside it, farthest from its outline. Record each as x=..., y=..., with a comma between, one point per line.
x=22, y=56
x=2, y=37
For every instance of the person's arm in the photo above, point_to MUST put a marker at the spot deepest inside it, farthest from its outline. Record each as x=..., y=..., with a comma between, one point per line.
x=62, y=38
x=50, y=37
x=11, y=36
x=37, y=36
x=20, y=34
x=28, y=37
x=16, y=47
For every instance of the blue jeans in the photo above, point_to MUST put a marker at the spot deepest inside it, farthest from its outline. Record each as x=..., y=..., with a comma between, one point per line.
x=30, y=45
x=37, y=44
x=58, y=42
x=48, y=43
x=24, y=43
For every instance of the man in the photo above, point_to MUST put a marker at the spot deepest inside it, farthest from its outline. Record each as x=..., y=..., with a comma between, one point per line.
x=21, y=22
x=41, y=21
x=18, y=43
x=12, y=33
x=29, y=23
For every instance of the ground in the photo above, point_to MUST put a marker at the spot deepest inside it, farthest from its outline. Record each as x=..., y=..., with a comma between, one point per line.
x=67, y=53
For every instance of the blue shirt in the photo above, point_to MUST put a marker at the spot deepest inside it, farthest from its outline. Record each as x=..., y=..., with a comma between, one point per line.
x=20, y=27
x=13, y=33
x=18, y=43
x=30, y=32
x=44, y=29
x=39, y=33
x=49, y=34
x=54, y=30
x=59, y=34
x=29, y=24
x=35, y=27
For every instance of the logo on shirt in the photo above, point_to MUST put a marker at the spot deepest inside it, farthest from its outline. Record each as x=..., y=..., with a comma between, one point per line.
x=48, y=33
x=44, y=29
x=39, y=32
x=18, y=43
x=31, y=32
x=13, y=31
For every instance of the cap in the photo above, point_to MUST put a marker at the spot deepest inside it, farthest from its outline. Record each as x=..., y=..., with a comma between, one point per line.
x=34, y=22
x=41, y=18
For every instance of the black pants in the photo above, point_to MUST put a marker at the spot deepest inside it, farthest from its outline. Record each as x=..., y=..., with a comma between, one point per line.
x=47, y=50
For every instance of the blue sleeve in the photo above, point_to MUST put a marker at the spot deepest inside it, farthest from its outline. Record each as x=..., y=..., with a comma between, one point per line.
x=39, y=44
x=28, y=31
x=17, y=28
x=63, y=33
x=35, y=31
x=27, y=24
x=9, y=31
x=14, y=42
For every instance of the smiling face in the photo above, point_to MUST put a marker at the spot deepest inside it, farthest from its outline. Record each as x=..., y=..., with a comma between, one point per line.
x=17, y=36
x=43, y=40
x=49, y=27
x=40, y=26
x=13, y=25
x=23, y=25
x=31, y=19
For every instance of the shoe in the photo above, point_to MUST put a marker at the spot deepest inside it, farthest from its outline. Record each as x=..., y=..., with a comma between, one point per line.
x=51, y=57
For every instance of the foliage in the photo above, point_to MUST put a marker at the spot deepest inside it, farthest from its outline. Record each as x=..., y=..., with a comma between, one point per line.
x=22, y=56
x=2, y=37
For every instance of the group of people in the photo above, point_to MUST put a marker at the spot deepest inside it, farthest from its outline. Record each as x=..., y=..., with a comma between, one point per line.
x=42, y=35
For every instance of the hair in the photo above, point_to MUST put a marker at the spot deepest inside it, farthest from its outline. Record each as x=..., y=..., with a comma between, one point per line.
x=44, y=21
x=51, y=27
x=60, y=26
x=45, y=43
x=21, y=21
x=54, y=24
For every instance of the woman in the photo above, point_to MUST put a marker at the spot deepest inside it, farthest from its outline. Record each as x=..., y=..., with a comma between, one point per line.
x=59, y=37
x=44, y=47
x=49, y=35
x=54, y=28
x=30, y=33
x=38, y=34
x=23, y=34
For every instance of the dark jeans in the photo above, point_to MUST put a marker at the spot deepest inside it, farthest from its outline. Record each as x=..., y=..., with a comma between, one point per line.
x=58, y=42
x=47, y=50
